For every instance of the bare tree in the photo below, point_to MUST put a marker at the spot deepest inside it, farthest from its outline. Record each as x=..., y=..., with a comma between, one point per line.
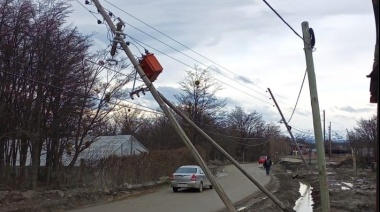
x=156, y=133
x=101, y=96
x=50, y=93
x=198, y=100
x=363, y=140
x=256, y=135
x=130, y=121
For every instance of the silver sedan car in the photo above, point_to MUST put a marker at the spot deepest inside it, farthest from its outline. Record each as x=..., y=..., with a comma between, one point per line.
x=190, y=176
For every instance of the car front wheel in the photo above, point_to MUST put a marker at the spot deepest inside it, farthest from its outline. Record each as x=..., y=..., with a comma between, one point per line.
x=200, y=187
x=175, y=189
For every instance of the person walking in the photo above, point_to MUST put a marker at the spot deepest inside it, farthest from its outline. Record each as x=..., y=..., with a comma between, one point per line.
x=267, y=164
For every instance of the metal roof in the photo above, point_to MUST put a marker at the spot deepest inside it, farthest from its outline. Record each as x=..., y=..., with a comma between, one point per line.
x=105, y=146
x=101, y=147
x=120, y=145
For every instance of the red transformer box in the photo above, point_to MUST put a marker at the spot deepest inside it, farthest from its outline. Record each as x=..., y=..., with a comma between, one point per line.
x=150, y=66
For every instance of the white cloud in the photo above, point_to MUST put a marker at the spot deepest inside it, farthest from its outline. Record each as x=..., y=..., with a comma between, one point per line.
x=254, y=51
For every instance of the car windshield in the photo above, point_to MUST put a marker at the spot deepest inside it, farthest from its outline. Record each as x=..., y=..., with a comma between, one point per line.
x=186, y=170
x=263, y=157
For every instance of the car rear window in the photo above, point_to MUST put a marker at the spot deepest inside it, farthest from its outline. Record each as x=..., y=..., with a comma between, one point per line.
x=186, y=170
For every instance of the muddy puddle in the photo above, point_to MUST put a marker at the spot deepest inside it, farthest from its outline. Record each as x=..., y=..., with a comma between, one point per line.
x=305, y=202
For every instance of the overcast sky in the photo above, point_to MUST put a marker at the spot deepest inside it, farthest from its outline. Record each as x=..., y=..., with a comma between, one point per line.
x=249, y=49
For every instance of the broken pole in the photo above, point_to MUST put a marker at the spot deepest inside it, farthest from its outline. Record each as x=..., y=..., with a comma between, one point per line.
x=229, y=157
x=228, y=203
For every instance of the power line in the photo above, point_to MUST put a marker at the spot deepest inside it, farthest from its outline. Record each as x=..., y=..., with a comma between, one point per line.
x=282, y=18
x=227, y=136
x=298, y=130
x=126, y=106
x=299, y=93
x=248, y=145
x=95, y=63
x=161, y=52
x=217, y=71
x=183, y=45
x=188, y=57
x=86, y=96
x=136, y=40
x=92, y=13
x=193, y=68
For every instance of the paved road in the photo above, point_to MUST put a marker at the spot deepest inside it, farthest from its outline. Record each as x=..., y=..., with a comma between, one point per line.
x=234, y=183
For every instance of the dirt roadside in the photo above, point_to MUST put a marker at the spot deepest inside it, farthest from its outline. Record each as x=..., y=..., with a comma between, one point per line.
x=349, y=192
x=60, y=200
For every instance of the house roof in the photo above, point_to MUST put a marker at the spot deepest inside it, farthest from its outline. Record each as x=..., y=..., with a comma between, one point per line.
x=120, y=145
x=117, y=144
x=101, y=147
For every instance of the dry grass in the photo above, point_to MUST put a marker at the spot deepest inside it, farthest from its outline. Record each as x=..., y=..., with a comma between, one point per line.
x=113, y=172
x=116, y=172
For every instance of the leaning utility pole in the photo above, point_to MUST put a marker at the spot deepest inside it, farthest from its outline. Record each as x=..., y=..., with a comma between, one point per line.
x=229, y=157
x=289, y=129
x=155, y=94
x=309, y=41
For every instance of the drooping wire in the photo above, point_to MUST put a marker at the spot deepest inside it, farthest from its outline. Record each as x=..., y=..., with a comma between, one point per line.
x=187, y=56
x=282, y=18
x=172, y=39
x=190, y=57
x=299, y=94
x=301, y=131
x=248, y=145
x=83, y=95
x=136, y=40
x=227, y=136
x=138, y=45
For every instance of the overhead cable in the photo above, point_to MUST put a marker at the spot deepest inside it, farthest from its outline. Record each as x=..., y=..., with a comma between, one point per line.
x=282, y=18
x=299, y=93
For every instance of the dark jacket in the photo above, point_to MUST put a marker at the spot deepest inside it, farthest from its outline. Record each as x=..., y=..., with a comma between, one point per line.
x=267, y=163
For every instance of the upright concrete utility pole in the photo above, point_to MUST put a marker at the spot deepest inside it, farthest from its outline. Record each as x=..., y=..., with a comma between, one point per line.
x=165, y=109
x=308, y=45
x=289, y=129
x=324, y=127
x=330, y=150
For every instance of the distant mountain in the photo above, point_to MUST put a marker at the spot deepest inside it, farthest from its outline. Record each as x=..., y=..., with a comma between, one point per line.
x=339, y=140
x=335, y=140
